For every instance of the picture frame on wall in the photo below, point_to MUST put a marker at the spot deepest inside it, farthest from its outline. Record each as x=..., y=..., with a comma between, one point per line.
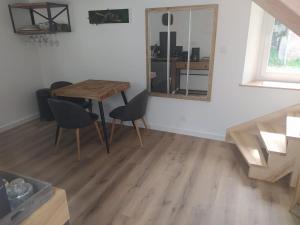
x=109, y=16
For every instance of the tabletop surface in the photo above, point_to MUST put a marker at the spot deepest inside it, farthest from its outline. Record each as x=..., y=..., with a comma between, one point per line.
x=54, y=212
x=92, y=89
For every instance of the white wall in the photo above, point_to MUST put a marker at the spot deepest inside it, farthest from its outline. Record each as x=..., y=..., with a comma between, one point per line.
x=19, y=74
x=255, y=44
x=117, y=52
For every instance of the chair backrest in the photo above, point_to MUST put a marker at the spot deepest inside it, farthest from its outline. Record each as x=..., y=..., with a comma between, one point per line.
x=68, y=114
x=136, y=108
x=59, y=84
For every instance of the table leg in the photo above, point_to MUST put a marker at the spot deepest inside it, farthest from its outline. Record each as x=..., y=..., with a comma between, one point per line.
x=126, y=103
x=173, y=76
x=124, y=97
x=105, y=132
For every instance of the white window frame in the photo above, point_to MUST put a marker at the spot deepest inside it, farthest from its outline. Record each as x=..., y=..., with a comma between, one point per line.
x=266, y=41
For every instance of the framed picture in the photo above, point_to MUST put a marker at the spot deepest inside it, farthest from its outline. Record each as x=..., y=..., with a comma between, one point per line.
x=109, y=16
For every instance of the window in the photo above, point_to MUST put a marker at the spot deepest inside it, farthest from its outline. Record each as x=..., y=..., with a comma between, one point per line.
x=281, y=52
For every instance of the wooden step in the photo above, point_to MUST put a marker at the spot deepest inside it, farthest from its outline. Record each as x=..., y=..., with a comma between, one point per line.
x=273, y=137
x=248, y=128
x=248, y=144
x=293, y=125
x=271, y=174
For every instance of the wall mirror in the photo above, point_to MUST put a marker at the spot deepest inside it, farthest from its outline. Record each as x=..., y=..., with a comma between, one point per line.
x=180, y=51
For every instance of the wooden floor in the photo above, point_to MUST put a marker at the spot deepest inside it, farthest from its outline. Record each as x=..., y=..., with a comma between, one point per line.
x=174, y=179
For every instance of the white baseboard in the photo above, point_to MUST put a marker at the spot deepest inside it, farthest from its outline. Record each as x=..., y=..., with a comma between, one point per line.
x=18, y=122
x=188, y=132
x=194, y=133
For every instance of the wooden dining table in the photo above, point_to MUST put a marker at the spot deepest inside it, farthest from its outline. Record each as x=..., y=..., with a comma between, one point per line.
x=97, y=90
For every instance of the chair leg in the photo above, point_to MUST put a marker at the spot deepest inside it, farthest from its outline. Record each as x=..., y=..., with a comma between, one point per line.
x=99, y=132
x=91, y=106
x=56, y=134
x=59, y=134
x=144, y=122
x=139, y=134
x=112, y=131
x=78, y=143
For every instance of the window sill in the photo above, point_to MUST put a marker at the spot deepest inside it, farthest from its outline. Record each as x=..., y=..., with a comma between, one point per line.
x=272, y=84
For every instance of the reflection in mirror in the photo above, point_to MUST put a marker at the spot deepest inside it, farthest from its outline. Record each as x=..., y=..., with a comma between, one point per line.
x=200, y=45
x=180, y=51
x=158, y=38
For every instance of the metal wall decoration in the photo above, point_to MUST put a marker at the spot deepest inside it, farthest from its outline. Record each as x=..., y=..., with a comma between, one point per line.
x=50, y=23
x=109, y=16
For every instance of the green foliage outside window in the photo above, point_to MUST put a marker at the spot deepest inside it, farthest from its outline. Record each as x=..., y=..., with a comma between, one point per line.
x=279, y=33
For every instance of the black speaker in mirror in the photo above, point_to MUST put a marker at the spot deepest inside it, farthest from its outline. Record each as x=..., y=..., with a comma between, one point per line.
x=195, y=56
x=165, y=19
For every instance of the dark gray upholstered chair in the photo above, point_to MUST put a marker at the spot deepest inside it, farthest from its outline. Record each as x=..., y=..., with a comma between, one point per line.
x=69, y=115
x=79, y=101
x=134, y=111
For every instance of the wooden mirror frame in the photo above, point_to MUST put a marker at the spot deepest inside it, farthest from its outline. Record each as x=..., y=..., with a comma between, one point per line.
x=214, y=8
